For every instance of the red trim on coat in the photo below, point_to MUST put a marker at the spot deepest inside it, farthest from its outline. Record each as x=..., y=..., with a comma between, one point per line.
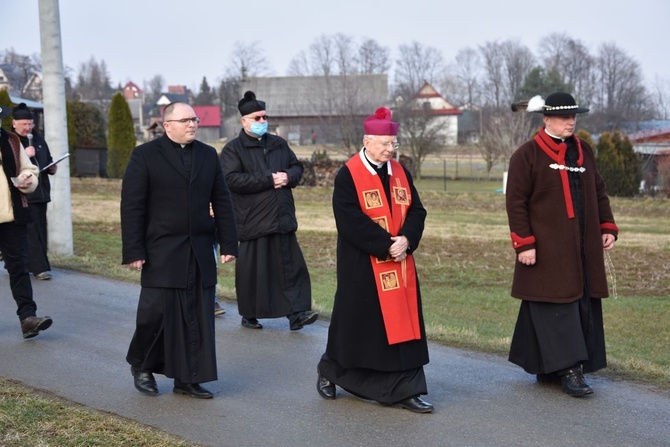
x=518, y=241
x=609, y=226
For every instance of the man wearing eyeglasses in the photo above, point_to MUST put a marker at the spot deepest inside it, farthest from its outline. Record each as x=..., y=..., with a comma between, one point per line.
x=376, y=340
x=38, y=151
x=271, y=276
x=19, y=177
x=168, y=234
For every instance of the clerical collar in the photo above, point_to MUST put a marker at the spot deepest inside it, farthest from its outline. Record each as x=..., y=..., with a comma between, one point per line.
x=553, y=136
x=377, y=165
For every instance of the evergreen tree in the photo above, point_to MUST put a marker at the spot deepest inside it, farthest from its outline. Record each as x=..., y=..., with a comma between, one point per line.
x=543, y=83
x=618, y=165
x=6, y=103
x=207, y=96
x=120, y=136
x=85, y=127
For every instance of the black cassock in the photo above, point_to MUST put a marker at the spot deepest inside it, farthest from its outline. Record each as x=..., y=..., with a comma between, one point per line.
x=358, y=357
x=165, y=220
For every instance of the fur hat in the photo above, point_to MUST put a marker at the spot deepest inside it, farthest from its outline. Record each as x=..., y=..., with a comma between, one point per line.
x=380, y=123
x=22, y=112
x=249, y=104
x=558, y=103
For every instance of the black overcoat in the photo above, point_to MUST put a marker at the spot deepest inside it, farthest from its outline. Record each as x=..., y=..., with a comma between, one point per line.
x=165, y=214
x=357, y=337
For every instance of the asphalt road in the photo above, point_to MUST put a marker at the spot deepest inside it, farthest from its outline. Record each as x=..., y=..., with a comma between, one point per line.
x=266, y=394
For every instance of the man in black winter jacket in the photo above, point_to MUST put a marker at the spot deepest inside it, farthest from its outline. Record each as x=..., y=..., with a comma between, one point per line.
x=271, y=276
x=38, y=151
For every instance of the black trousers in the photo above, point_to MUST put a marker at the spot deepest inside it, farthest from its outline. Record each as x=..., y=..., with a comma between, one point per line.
x=38, y=261
x=13, y=245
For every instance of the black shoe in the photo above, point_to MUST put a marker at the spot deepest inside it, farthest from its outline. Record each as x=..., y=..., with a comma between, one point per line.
x=144, y=382
x=191, y=389
x=32, y=326
x=415, y=404
x=304, y=319
x=251, y=323
x=548, y=378
x=325, y=387
x=573, y=384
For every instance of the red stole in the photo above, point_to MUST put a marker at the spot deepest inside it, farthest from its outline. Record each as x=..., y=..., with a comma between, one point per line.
x=557, y=153
x=396, y=281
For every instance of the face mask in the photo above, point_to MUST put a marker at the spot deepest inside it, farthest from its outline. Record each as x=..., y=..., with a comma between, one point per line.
x=259, y=129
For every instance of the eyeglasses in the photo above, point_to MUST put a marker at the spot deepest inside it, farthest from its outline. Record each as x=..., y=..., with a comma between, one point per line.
x=257, y=118
x=387, y=144
x=194, y=120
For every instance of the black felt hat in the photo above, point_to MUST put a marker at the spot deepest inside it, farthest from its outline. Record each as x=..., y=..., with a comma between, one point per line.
x=249, y=104
x=22, y=112
x=558, y=103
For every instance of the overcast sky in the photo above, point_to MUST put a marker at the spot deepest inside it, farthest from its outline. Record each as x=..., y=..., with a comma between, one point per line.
x=184, y=40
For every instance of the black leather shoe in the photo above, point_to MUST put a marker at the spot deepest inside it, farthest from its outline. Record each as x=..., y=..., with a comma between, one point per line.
x=192, y=389
x=303, y=320
x=548, y=378
x=251, y=323
x=144, y=382
x=573, y=384
x=32, y=326
x=325, y=387
x=415, y=404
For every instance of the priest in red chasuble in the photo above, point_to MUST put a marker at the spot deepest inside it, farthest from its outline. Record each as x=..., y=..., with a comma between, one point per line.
x=376, y=341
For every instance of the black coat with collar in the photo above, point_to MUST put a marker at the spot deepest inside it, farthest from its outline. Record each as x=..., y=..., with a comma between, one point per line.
x=248, y=164
x=165, y=214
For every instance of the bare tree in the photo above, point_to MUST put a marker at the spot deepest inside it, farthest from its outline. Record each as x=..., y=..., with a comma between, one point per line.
x=572, y=60
x=373, y=58
x=420, y=133
x=467, y=69
x=247, y=60
x=154, y=86
x=621, y=96
x=299, y=65
x=417, y=63
x=502, y=133
x=661, y=97
x=493, y=73
x=518, y=62
x=322, y=56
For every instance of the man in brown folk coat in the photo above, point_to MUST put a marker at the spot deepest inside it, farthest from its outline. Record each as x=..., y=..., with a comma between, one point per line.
x=560, y=222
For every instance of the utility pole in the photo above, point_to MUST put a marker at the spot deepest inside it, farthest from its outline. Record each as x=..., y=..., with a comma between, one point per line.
x=55, y=128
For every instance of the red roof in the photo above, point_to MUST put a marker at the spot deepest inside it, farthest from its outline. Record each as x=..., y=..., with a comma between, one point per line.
x=210, y=116
x=650, y=136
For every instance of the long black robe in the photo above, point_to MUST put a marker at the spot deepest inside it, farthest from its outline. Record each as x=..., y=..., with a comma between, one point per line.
x=358, y=357
x=165, y=220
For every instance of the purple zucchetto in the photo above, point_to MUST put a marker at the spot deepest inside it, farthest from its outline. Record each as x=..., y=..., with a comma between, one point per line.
x=380, y=123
